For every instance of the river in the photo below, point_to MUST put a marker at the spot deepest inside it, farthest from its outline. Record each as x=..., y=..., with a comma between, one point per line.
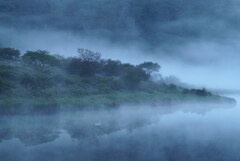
x=124, y=134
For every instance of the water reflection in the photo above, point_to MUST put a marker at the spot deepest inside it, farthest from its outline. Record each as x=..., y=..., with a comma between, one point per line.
x=30, y=130
x=123, y=134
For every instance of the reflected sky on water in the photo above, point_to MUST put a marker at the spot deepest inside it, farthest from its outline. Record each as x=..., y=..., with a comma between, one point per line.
x=127, y=133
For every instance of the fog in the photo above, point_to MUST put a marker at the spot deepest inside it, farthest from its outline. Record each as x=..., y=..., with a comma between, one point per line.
x=191, y=132
x=195, y=41
x=198, y=63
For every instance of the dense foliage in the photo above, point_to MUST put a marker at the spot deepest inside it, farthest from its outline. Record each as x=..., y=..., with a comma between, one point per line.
x=84, y=80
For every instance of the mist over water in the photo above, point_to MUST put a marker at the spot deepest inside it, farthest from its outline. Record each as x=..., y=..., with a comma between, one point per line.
x=196, y=41
x=190, y=133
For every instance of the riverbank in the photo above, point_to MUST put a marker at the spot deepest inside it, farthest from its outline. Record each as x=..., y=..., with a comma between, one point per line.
x=22, y=105
x=39, y=82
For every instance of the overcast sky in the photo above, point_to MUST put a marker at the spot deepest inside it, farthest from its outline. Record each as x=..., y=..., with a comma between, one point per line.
x=198, y=41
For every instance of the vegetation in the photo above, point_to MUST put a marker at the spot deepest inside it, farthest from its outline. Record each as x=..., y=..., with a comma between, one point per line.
x=9, y=54
x=38, y=81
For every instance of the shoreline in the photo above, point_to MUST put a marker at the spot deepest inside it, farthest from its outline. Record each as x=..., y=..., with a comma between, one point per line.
x=23, y=105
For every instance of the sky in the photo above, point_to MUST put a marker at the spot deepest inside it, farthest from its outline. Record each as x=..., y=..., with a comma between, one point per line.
x=197, y=41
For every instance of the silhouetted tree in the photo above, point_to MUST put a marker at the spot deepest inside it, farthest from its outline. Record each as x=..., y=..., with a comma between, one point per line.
x=112, y=67
x=88, y=55
x=132, y=76
x=40, y=59
x=150, y=67
x=87, y=64
x=9, y=54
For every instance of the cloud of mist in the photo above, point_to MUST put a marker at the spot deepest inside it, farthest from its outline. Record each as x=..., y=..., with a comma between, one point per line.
x=153, y=22
x=127, y=133
x=192, y=40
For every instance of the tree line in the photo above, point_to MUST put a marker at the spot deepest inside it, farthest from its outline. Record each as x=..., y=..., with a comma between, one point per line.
x=38, y=79
x=88, y=66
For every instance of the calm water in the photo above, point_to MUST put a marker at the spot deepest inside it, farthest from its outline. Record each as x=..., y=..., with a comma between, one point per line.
x=128, y=133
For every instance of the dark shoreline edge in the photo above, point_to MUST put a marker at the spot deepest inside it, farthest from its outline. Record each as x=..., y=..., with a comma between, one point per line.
x=23, y=105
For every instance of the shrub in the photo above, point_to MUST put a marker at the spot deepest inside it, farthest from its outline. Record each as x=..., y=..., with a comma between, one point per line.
x=37, y=81
x=4, y=86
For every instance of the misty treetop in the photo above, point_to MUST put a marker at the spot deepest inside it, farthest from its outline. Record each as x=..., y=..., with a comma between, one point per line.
x=87, y=65
x=40, y=59
x=40, y=79
x=9, y=54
